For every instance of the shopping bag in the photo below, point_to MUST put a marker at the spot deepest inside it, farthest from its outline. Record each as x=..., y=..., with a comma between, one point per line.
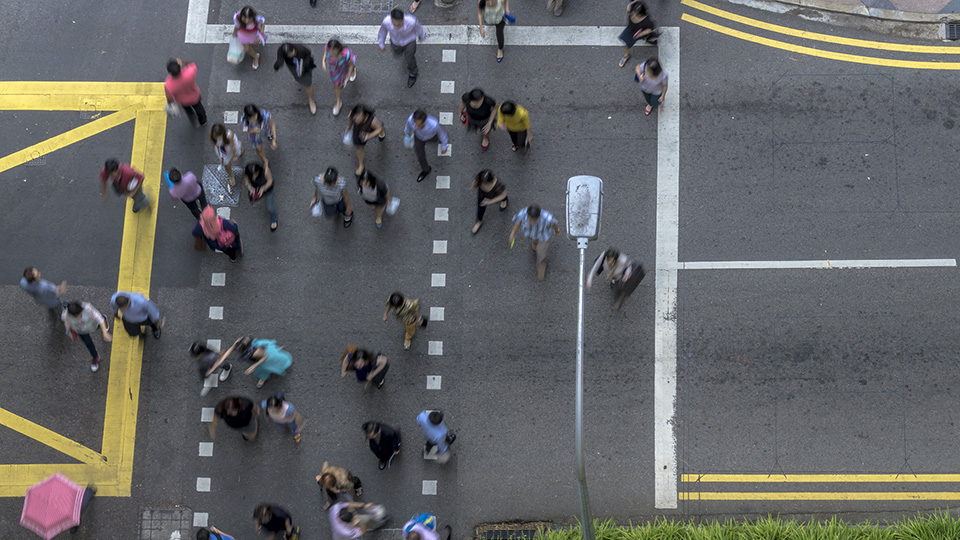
x=408, y=140
x=348, y=138
x=172, y=109
x=510, y=18
x=393, y=205
x=317, y=209
x=235, y=52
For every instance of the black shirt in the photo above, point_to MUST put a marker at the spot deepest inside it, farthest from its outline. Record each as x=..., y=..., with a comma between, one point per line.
x=243, y=417
x=301, y=53
x=389, y=443
x=278, y=522
x=481, y=113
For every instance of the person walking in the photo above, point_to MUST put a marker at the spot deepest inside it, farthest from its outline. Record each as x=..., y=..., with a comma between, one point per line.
x=250, y=30
x=375, y=193
x=536, y=224
x=419, y=129
x=365, y=126
x=369, y=368
x=490, y=190
x=351, y=520
x=493, y=12
x=219, y=234
x=238, y=413
x=212, y=533
x=404, y=31
x=341, y=63
x=384, y=442
x=185, y=188
x=136, y=311
x=258, y=125
x=228, y=148
x=556, y=6
x=438, y=436
x=259, y=182
x=211, y=364
x=653, y=84
x=181, y=88
x=639, y=25
x=281, y=412
x=126, y=182
x=44, y=292
x=300, y=62
x=268, y=359
x=424, y=527
x=623, y=274
x=478, y=111
x=274, y=523
x=81, y=319
x=337, y=482
x=516, y=120
x=331, y=194
x=406, y=311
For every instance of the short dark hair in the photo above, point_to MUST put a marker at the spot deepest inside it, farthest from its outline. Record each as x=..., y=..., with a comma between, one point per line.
x=345, y=515
x=639, y=8
x=74, y=308
x=331, y=175
x=122, y=300
x=396, y=14
x=476, y=94
x=435, y=417
x=508, y=108
x=533, y=211
x=396, y=299
x=654, y=66
x=111, y=165
x=173, y=68
x=419, y=114
x=203, y=534
x=174, y=176
x=413, y=535
x=371, y=427
x=28, y=274
x=274, y=401
x=253, y=170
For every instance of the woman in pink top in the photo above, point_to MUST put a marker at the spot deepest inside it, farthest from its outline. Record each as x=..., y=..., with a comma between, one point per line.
x=248, y=27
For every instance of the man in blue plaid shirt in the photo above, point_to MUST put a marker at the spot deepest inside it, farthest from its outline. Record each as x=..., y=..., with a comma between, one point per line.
x=537, y=225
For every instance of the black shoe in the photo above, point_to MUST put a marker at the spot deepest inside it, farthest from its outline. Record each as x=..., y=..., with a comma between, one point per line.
x=423, y=174
x=411, y=80
x=424, y=321
x=347, y=221
x=451, y=437
x=383, y=465
x=313, y=3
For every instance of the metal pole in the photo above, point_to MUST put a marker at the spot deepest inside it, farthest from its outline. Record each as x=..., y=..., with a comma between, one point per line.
x=586, y=518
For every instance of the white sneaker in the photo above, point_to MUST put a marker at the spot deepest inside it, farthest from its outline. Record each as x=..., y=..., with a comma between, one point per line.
x=225, y=372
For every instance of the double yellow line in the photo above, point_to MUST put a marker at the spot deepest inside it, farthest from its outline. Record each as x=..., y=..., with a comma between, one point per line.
x=903, y=479
x=823, y=38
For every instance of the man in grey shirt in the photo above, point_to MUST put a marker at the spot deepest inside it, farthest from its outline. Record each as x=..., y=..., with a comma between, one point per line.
x=43, y=291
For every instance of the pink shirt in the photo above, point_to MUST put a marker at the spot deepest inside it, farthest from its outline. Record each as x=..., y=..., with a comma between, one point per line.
x=183, y=89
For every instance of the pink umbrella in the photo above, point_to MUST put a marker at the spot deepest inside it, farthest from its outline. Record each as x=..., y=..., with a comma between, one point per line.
x=52, y=506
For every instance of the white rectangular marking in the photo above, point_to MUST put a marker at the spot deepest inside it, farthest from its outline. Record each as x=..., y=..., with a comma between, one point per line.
x=206, y=449
x=436, y=314
x=203, y=484
x=218, y=279
x=441, y=153
x=206, y=414
x=231, y=117
x=430, y=455
x=439, y=247
x=449, y=55
x=665, y=312
x=435, y=348
x=446, y=118
x=429, y=487
x=213, y=344
x=211, y=381
x=201, y=519
x=438, y=280
x=443, y=182
x=224, y=212
x=233, y=86
x=216, y=313
x=441, y=214
x=447, y=87
x=433, y=382
x=838, y=264
x=197, y=12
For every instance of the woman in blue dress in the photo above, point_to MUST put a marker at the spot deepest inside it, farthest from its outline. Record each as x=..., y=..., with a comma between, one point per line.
x=269, y=359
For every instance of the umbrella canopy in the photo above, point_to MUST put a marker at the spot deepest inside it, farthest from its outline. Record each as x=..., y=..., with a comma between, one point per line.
x=52, y=506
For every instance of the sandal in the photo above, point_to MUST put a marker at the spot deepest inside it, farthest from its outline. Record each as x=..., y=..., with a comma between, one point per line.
x=359, y=491
x=256, y=62
x=647, y=111
x=476, y=227
x=296, y=438
x=623, y=61
x=406, y=344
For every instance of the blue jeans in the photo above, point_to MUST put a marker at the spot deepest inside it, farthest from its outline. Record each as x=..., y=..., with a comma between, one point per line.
x=271, y=206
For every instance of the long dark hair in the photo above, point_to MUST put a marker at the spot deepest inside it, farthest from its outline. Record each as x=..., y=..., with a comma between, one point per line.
x=366, y=175
x=253, y=170
x=482, y=177
x=252, y=110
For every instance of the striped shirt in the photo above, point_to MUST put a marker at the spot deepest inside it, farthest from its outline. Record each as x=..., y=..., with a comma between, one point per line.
x=540, y=230
x=330, y=194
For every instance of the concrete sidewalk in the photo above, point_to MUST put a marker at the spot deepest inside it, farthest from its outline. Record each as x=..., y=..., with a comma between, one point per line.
x=922, y=11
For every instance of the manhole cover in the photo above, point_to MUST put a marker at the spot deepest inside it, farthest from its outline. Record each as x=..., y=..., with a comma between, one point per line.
x=165, y=524
x=952, y=31
x=215, y=183
x=367, y=6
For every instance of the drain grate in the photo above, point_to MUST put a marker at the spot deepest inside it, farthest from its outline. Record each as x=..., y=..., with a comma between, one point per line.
x=951, y=31
x=367, y=6
x=165, y=524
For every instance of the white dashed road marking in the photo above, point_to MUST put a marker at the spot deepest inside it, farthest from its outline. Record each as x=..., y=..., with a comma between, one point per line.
x=206, y=449
x=216, y=313
x=233, y=86
x=435, y=348
x=438, y=280
x=206, y=414
x=436, y=314
x=433, y=382
x=443, y=182
x=203, y=484
x=231, y=117
x=441, y=214
x=447, y=87
x=449, y=55
x=429, y=487
x=439, y=247
x=218, y=279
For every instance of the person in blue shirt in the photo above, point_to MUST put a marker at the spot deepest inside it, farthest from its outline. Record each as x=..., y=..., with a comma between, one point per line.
x=424, y=128
x=136, y=311
x=436, y=433
x=269, y=359
x=43, y=291
x=212, y=533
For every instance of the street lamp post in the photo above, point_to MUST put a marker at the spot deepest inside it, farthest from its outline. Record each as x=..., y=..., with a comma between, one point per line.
x=584, y=206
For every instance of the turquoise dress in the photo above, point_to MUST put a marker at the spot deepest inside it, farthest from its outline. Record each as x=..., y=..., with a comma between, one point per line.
x=277, y=361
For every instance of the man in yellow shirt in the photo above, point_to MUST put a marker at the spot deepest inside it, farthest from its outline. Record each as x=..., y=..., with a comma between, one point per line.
x=516, y=120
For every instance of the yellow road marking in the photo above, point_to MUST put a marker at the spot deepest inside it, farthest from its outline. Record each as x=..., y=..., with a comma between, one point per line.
x=843, y=57
x=897, y=47
x=67, y=138
x=79, y=96
x=820, y=496
x=819, y=478
x=53, y=440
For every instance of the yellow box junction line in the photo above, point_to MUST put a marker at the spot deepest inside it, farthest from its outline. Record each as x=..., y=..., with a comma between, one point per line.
x=739, y=495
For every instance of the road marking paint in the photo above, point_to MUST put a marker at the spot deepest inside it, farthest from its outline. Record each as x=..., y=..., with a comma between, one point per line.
x=665, y=322
x=218, y=279
x=213, y=344
x=433, y=382
x=449, y=55
x=206, y=414
x=429, y=487
x=822, y=496
x=443, y=182
x=224, y=212
x=446, y=118
x=886, y=46
x=86, y=97
x=212, y=381
x=438, y=280
x=216, y=313
x=53, y=440
x=838, y=264
x=441, y=214
x=231, y=117
x=439, y=247
x=197, y=12
x=206, y=449
x=233, y=86
x=203, y=484
x=820, y=478
x=436, y=313
x=435, y=348
x=201, y=519
x=842, y=57
x=430, y=455
x=447, y=87
x=448, y=153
